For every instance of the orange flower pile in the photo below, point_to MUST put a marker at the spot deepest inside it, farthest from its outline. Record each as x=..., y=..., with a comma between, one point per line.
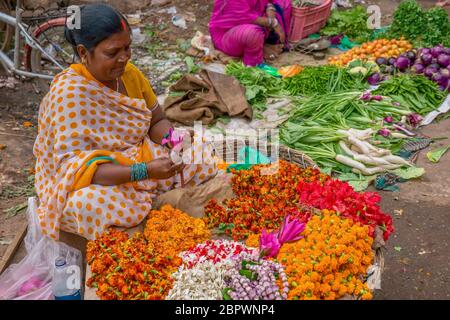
x=330, y=261
x=171, y=231
x=261, y=200
x=126, y=268
x=372, y=50
x=140, y=267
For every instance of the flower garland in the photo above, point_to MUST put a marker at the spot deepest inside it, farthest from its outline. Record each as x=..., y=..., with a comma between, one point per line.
x=170, y=230
x=215, y=251
x=262, y=200
x=203, y=281
x=125, y=269
x=140, y=267
x=339, y=196
x=330, y=261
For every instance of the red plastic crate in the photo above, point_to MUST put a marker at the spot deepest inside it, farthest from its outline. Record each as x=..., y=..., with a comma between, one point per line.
x=309, y=20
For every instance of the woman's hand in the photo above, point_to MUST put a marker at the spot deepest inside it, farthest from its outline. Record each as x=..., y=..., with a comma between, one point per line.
x=163, y=168
x=279, y=31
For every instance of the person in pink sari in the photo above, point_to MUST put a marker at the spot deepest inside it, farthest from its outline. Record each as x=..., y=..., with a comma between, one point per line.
x=240, y=28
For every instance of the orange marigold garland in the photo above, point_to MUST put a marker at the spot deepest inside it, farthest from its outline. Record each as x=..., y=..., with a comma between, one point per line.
x=126, y=268
x=140, y=267
x=172, y=230
x=261, y=200
x=330, y=262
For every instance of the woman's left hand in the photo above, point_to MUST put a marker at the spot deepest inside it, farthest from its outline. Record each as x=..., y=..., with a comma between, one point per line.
x=279, y=31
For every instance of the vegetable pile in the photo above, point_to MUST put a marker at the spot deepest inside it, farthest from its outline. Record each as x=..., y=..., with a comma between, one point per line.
x=258, y=84
x=323, y=80
x=416, y=92
x=372, y=50
x=352, y=23
x=425, y=28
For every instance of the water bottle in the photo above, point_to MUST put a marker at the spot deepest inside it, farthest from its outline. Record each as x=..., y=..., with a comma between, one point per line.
x=61, y=283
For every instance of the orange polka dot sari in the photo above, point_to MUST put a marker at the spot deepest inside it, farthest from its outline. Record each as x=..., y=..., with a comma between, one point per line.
x=80, y=121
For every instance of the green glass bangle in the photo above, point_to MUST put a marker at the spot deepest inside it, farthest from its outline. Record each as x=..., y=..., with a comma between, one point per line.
x=139, y=172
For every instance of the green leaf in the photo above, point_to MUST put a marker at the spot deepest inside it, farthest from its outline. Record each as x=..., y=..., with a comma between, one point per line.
x=359, y=183
x=192, y=67
x=225, y=294
x=398, y=249
x=409, y=173
x=435, y=155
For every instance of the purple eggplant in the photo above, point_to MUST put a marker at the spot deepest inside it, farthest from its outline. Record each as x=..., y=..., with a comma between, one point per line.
x=402, y=63
x=443, y=60
x=418, y=68
x=374, y=79
x=426, y=59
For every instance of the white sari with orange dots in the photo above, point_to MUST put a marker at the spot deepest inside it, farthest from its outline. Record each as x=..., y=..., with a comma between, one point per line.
x=80, y=121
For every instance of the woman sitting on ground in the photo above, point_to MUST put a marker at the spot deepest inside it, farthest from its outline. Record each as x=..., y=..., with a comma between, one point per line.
x=240, y=28
x=100, y=161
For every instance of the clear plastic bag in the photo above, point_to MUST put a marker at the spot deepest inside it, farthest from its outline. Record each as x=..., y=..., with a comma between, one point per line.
x=31, y=278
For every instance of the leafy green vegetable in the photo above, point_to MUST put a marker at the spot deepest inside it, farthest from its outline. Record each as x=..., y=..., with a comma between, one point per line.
x=409, y=172
x=323, y=80
x=352, y=22
x=435, y=155
x=423, y=28
x=192, y=67
x=258, y=84
x=358, y=182
x=416, y=92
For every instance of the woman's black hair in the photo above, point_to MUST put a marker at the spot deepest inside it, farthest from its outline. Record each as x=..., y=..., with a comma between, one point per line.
x=97, y=22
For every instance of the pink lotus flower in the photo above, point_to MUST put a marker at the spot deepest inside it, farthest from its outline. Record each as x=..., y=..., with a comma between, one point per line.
x=175, y=138
x=290, y=230
x=268, y=244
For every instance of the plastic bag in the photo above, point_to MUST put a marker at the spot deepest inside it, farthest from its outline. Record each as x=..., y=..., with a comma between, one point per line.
x=31, y=278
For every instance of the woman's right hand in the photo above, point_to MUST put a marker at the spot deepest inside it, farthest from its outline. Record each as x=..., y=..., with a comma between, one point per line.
x=163, y=168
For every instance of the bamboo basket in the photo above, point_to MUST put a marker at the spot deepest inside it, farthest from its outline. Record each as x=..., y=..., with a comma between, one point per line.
x=230, y=149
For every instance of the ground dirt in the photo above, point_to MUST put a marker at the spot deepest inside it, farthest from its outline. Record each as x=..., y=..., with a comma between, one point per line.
x=417, y=256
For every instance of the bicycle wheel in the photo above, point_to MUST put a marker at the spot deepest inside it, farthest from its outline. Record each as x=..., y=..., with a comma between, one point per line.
x=6, y=30
x=51, y=38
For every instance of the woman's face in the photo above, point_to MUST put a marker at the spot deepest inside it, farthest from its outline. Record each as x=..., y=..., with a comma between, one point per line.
x=108, y=60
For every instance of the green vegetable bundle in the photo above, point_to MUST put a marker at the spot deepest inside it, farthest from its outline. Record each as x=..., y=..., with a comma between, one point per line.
x=323, y=80
x=258, y=84
x=313, y=126
x=352, y=23
x=416, y=92
x=423, y=28
x=347, y=109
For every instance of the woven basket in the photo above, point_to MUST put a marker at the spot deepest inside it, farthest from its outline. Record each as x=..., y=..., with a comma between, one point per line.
x=229, y=150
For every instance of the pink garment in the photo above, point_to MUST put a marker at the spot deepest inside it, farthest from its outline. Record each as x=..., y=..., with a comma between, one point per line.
x=246, y=41
x=233, y=30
